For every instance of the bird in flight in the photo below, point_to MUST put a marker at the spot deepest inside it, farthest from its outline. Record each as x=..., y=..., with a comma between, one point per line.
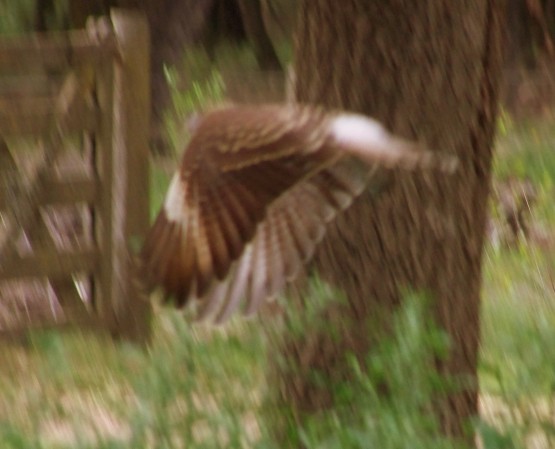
x=253, y=195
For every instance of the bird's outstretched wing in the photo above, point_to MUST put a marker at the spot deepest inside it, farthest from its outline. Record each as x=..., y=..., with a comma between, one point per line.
x=251, y=200
x=284, y=241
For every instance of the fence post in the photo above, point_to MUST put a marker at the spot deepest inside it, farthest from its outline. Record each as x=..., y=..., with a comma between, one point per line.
x=131, y=171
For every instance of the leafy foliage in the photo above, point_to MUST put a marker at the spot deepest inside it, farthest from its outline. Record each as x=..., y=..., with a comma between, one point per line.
x=389, y=403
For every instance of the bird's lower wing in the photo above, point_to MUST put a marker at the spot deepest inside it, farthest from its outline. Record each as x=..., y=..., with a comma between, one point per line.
x=283, y=242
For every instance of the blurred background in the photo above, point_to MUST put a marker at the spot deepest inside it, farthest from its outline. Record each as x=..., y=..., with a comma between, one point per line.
x=196, y=386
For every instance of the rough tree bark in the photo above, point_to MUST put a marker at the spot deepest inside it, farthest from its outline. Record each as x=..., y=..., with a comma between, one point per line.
x=429, y=69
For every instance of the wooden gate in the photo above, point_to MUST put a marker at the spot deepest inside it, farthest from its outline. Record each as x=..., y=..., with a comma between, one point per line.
x=82, y=93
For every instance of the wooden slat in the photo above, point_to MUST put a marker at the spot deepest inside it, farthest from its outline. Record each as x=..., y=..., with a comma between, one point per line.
x=16, y=104
x=29, y=84
x=104, y=165
x=50, y=265
x=65, y=287
x=130, y=182
x=60, y=51
x=39, y=118
x=66, y=192
x=63, y=192
x=29, y=199
x=70, y=108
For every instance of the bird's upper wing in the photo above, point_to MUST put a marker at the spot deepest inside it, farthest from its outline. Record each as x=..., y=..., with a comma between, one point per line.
x=250, y=202
x=238, y=162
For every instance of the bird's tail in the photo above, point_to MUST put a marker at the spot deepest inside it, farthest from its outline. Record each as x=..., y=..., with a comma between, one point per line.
x=369, y=141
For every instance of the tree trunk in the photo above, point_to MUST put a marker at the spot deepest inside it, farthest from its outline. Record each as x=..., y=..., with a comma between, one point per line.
x=429, y=70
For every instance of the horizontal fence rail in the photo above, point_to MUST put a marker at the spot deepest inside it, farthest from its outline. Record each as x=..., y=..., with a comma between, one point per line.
x=62, y=51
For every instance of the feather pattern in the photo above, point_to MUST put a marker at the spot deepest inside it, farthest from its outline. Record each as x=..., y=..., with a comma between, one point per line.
x=252, y=198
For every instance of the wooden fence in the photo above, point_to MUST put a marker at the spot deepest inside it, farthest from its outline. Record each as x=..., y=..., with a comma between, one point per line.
x=85, y=91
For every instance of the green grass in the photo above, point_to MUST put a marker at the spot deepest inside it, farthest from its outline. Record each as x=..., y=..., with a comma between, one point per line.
x=192, y=385
x=517, y=371
x=202, y=387
x=527, y=150
x=403, y=365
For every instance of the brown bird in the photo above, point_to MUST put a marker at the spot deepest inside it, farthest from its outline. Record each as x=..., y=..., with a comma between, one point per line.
x=253, y=195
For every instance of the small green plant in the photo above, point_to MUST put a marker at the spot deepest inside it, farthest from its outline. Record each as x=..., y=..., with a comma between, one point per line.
x=389, y=402
x=390, y=397
x=505, y=123
x=194, y=87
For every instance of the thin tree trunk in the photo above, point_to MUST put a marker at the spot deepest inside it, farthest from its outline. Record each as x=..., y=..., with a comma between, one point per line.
x=429, y=69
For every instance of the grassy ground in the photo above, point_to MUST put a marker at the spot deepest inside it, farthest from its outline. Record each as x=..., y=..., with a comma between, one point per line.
x=518, y=313
x=205, y=388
